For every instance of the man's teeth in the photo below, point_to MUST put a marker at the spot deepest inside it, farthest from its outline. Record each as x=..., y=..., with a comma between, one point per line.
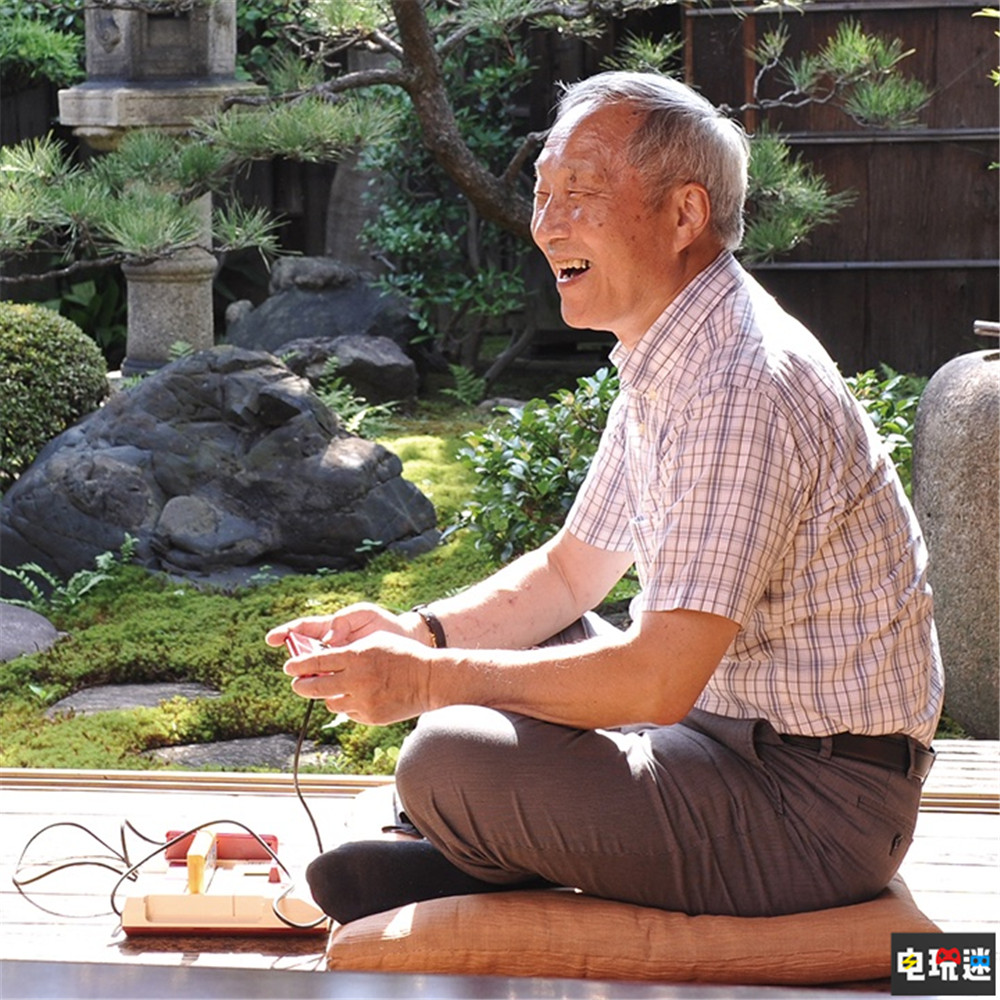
x=567, y=268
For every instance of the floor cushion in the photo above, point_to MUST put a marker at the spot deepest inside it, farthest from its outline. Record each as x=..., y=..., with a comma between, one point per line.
x=565, y=934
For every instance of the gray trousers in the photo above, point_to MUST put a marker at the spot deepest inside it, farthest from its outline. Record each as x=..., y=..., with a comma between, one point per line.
x=712, y=815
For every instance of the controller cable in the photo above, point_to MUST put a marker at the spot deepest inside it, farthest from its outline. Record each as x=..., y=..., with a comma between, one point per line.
x=119, y=861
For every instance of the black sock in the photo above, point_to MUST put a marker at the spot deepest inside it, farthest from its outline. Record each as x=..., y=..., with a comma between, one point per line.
x=370, y=876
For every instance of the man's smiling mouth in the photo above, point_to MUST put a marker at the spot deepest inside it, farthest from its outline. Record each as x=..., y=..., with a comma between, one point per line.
x=567, y=269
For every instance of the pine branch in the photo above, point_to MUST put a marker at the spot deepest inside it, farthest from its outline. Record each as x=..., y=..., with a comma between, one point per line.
x=114, y=260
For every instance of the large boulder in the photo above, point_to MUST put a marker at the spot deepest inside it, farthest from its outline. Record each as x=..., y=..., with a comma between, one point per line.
x=374, y=367
x=311, y=297
x=219, y=464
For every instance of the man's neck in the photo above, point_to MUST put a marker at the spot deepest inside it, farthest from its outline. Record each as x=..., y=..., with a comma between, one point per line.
x=689, y=264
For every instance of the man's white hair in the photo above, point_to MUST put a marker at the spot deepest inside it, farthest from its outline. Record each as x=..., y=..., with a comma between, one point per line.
x=683, y=138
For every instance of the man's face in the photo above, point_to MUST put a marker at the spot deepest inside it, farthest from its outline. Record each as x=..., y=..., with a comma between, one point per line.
x=612, y=253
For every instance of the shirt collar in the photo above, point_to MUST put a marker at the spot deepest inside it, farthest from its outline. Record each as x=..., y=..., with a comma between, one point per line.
x=659, y=347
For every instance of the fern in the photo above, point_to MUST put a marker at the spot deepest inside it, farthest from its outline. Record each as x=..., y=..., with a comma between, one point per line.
x=469, y=388
x=48, y=593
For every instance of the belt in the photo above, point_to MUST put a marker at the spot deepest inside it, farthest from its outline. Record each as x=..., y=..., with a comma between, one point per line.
x=896, y=752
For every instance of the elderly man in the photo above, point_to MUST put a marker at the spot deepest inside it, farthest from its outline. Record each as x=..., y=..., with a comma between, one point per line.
x=755, y=742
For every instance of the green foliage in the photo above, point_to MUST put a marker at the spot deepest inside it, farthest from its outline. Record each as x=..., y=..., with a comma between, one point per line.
x=890, y=102
x=357, y=415
x=855, y=70
x=59, y=15
x=98, y=307
x=371, y=749
x=458, y=271
x=891, y=399
x=311, y=129
x=51, y=375
x=49, y=594
x=786, y=199
x=993, y=12
x=263, y=29
x=135, y=202
x=33, y=52
x=118, y=206
x=647, y=55
x=530, y=465
x=469, y=388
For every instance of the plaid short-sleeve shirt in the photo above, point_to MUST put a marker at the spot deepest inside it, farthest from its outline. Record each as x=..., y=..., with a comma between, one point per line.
x=747, y=482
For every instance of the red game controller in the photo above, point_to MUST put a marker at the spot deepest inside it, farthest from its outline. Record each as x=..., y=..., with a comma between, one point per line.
x=301, y=645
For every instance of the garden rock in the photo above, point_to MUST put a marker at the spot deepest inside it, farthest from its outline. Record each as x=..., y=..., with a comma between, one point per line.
x=23, y=631
x=376, y=368
x=312, y=297
x=220, y=465
x=275, y=752
x=115, y=697
x=956, y=494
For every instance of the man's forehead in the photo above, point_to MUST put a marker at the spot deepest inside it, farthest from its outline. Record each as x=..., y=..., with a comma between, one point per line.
x=588, y=137
x=578, y=165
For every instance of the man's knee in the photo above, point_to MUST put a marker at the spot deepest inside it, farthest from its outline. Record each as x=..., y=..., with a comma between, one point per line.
x=450, y=750
x=448, y=760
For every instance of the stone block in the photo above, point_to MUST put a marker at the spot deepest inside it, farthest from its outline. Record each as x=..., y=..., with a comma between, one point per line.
x=130, y=43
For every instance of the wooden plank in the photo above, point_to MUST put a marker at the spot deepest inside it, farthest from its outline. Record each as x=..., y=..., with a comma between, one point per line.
x=951, y=868
x=832, y=304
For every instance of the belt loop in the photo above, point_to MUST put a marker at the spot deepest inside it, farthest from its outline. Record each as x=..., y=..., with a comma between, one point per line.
x=825, y=747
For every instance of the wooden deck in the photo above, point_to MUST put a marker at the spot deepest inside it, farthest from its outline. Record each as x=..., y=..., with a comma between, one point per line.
x=61, y=939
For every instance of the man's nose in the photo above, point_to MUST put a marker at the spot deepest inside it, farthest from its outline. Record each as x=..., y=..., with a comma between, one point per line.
x=549, y=222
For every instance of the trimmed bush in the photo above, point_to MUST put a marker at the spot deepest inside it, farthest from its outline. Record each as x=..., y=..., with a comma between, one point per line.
x=32, y=52
x=51, y=375
x=530, y=464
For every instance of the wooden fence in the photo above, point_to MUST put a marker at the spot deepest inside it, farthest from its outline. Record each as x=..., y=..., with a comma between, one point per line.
x=903, y=273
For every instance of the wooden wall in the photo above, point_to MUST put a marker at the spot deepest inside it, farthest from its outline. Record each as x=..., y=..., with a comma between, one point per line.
x=903, y=273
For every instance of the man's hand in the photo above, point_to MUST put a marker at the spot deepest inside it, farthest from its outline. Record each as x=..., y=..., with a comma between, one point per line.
x=347, y=625
x=379, y=678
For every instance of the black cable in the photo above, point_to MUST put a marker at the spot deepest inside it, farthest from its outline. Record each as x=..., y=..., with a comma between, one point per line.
x=131, y=869
x=295, y=774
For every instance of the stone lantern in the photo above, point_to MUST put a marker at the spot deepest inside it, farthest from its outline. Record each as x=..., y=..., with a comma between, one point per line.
x=162, y=64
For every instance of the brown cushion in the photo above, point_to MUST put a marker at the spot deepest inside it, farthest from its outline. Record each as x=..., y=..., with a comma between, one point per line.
x=561, y=934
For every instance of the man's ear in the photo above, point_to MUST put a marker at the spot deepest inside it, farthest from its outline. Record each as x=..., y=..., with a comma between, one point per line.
x=693, y=210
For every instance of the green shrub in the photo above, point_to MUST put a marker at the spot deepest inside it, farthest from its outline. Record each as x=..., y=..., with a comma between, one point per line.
x=530, y=465
x=51, y=375
x=891, y=399
x=31, y=52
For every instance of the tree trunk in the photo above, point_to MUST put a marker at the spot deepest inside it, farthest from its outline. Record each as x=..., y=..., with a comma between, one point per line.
x=493, y=198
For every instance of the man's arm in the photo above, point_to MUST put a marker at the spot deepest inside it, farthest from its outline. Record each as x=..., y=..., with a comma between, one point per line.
x=380, y=668
x=532, y=598
x=522, y=604
x=654, y=672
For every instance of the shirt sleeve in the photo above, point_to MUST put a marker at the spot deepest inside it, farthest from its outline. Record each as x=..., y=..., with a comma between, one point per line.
x=600, y=514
